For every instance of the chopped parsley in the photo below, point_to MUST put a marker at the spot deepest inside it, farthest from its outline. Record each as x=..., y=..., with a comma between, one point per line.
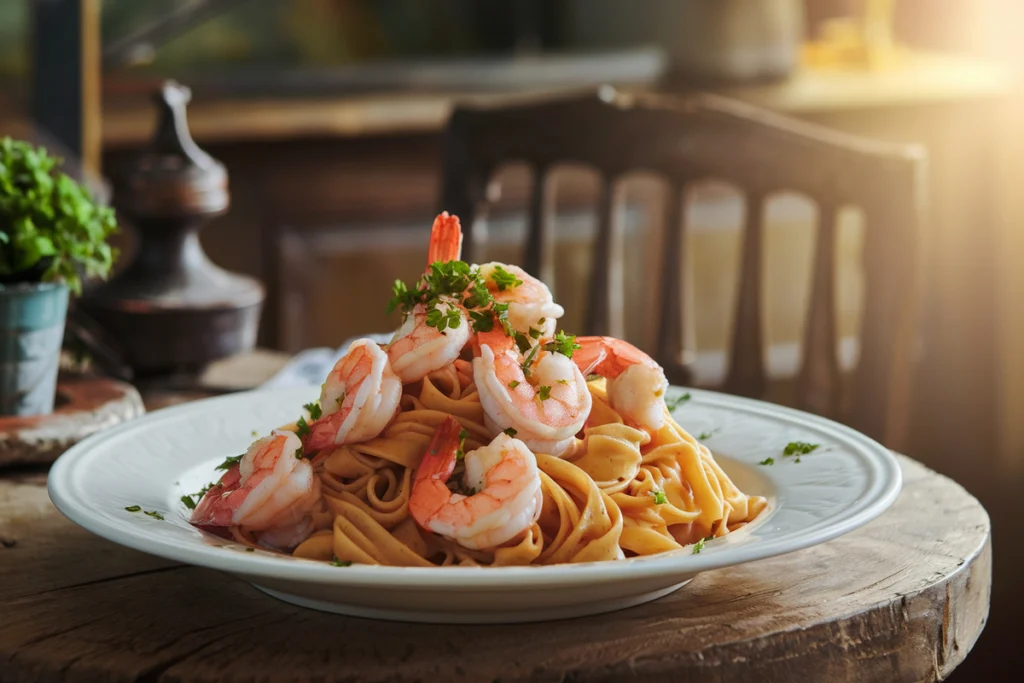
x=706, y=435
x=673, y=403
x=133, y=508
x=504, y=279
x=767, y=461
x=298, y=453
x=522, y=341
x=562, y=381
x=149, y=513
x=229, y=462
x=449, y=319
x=250, y=550
x=190, y=500
x=511, y=432
x=563, y=343
x=535, y=333
x=544, y=393
x=255, y=433
x=314, y=409
x=699, y=545
x=302, y=429
x=340, y=563
x=461, y=452
x=529, y=360
x=401, y=297
x=799, y=448
x=482, y=321
x=189, y=503
x=513, y=384
x=659, y=497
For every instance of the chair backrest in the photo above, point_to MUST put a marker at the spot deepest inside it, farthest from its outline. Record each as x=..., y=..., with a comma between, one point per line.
x=690, y=139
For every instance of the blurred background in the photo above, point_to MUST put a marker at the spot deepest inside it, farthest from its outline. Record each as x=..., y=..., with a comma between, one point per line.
x=328, y=116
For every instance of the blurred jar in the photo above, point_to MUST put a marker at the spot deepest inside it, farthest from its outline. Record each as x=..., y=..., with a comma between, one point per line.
x=708, y=40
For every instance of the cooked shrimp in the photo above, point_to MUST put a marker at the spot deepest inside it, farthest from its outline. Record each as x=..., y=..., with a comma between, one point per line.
x=417, y=349
x=543, y=397
x=530, y=304
x=636, y=383
x=270, y=491
x=506, y=498
x=358, y=398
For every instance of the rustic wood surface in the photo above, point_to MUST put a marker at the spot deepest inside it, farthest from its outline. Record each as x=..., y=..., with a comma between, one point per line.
x=84, y=406
x=902, y=599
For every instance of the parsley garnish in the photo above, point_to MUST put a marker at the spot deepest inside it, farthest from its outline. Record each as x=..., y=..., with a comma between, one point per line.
x=673, y=403
x=298, y=453
x=799, y=448
x=522, y=341
x=461, y=453
x=544, y=393
x=534, y=333
x=562, y=381
x=340, y=563
x=482, y=321
x=511, y=432
x=449, y=319
x=153, y=513
x=229, y=462
x=255, y=433
x=504, y=279
x=302, y=429
x=659, y=497
x=133, y=508
x=250, y=550
x=563, y=343
x=315, y=412
x=189, y=503
x=767, y=461
x=513, y=384
x=401, y=297
x=528, y=360
x=705, y=435
x=699, y=545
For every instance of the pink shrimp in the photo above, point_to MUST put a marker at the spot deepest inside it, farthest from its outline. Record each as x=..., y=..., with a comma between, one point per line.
x=636, y=383
x=358, y=398
x=270, y=491
x=530, y=304
x=417, y=349
x=543, y=397
x=503, y=475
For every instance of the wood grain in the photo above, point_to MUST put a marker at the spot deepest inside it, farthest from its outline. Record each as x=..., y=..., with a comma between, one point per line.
x=902, y=599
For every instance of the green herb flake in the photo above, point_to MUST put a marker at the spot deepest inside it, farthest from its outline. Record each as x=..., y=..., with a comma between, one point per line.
x=302, y=429
x=250, y=550
x=529, y=360
x=340, y=563
x=705, y=435
x=523, y=342
x=134, y=508
x=767, y=461
x=255, y=434
x=544, y=393
x=298, y=453
x=799, y=448
x=562, y=381
x=314, y=410
x=461, y=452
x=535, y=333
x=673, y=403
x=563, y=343
x=511, y=432
x=513, y=384
x=229, y=462
x=153, y=513
x=504, y=279
x=699, y=545
x=189, y=503
x=659, y=497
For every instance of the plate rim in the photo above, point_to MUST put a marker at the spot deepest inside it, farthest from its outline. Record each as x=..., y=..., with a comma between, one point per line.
x=268, y=565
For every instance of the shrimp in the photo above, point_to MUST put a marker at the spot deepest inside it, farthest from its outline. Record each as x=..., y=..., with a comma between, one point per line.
x=543, y=397
x=636, y=383
x=530, y=304
x=358, y=398
x=270, y=490
x=507, y=496
x=417, y=349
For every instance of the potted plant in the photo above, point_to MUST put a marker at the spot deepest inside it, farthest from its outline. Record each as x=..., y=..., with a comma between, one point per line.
x=52, y=233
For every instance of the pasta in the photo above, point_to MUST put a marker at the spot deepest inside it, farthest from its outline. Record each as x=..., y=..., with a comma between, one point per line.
x=599, y=500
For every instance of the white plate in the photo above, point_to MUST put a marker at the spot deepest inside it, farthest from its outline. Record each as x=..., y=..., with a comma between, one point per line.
x=154, y=460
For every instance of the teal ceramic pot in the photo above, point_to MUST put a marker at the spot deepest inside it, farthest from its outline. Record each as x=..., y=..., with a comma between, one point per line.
x=31, y=332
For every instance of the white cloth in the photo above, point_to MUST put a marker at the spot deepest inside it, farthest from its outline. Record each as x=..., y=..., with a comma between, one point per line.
x=310, y=367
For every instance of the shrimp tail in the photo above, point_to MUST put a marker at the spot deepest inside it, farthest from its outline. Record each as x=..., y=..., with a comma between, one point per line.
x=439, y=461
x=591, y=354
x=323, y=432
x=445, y=239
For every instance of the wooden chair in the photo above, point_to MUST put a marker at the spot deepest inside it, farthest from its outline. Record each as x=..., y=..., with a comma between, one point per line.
x=689, y=139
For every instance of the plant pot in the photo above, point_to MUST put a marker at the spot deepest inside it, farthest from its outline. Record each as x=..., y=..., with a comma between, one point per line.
x=31, y=333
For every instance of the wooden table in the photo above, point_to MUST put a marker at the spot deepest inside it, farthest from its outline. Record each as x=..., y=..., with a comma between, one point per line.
x=902, y=599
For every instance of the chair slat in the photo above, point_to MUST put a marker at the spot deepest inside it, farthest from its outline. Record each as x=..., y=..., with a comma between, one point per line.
x=818, y=386
x=746, y=367
x=669, y=347
x=539, y=259
x=605, y=296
